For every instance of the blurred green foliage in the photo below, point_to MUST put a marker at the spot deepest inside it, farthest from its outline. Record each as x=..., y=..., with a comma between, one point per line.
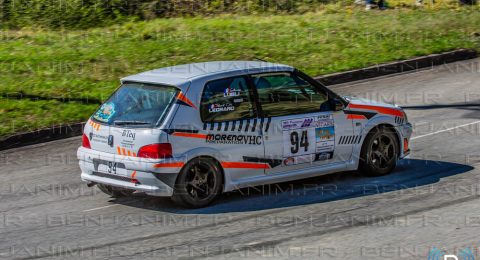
x=96, y=13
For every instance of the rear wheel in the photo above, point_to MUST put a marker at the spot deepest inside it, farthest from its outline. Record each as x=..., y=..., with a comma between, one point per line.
x=114, y=192
x=379, y=152
x=198, y=184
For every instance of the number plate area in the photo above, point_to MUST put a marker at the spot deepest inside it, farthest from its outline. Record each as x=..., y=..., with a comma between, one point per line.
x=309, y=139
x=107, y=167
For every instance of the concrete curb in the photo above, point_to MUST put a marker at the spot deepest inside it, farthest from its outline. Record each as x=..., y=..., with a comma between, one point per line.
x=75, y=129
x=42, y=135
x=397, y=67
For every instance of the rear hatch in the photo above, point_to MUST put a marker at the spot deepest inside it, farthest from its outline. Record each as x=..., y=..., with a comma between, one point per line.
x=130, y=118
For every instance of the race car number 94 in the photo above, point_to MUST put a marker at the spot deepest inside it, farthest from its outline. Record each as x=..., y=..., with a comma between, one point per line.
x=299, y=142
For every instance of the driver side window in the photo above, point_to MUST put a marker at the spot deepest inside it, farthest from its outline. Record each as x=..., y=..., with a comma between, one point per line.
x=282, y=94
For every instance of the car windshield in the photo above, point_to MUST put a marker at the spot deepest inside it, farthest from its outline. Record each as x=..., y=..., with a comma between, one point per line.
x=136, y=105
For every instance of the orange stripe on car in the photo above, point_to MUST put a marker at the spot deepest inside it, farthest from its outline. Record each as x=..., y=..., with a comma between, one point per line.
x=169, y=165
x=183, y=98
x=94, y=125
x=382, y=110
x=190, y=135
x=360, y=117
x=134, y=174
x=126, y=152
x=245, y=165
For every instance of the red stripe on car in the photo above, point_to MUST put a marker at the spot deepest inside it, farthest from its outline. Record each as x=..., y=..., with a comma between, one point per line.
x=187, y=101
x=382, y=110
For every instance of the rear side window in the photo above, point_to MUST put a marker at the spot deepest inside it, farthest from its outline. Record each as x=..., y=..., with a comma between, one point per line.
x=226, y=99
x=282, y=94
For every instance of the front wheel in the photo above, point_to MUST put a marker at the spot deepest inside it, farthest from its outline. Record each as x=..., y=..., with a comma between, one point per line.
x=198, y=183
x=379, y=152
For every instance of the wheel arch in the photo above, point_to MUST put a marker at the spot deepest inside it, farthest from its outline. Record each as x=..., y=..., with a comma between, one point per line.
x=388, y=126
x=209, y=157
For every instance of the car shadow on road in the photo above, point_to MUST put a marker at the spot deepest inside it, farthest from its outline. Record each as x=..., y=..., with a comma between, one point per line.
x=410, y=173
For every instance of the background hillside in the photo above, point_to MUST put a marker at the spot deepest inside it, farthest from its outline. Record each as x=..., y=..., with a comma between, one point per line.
x=67, y=60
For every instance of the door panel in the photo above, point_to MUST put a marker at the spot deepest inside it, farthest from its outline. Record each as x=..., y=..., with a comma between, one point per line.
x=309, y=140
x=304, y=130
x=231, y=126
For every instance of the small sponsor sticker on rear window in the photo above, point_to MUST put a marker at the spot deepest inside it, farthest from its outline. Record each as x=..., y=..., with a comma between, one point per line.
x=105, y=112
x=216, y=108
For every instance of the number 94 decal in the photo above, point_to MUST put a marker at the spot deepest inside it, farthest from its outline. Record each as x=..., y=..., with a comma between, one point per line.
x=305, y=144
x=299, y=142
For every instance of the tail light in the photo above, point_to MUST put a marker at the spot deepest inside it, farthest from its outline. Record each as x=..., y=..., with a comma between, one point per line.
x=156, y=151
x=86, y=142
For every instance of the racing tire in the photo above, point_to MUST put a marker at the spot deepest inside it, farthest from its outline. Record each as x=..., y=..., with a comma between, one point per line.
x=198, y=184
x=379, y=152
x=114, y=192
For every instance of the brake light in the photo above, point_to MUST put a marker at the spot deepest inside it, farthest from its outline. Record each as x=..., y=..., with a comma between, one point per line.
x=156, y=151
x=86, y=142
x=405, y=145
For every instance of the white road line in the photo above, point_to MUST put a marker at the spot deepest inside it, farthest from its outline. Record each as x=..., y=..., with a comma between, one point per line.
x=445, y=130
x=104, y=207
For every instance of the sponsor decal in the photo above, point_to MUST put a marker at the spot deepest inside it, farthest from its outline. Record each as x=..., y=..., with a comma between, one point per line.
x=233, y=139
x=215, y=108
x=98, y=138
x=289, y=161
x=128, y=134
x=231, y=92
x=297, y=123
x=325, y=139
x=307, y=122
x=308, y=158
x=323, y=156
x=105, y=112
x=309, y=139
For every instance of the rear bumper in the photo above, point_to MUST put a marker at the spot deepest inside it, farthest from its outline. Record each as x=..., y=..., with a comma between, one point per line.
x=151, y=179
x=158, y=189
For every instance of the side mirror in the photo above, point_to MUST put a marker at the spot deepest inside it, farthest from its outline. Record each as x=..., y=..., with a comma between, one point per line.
x=337, y=105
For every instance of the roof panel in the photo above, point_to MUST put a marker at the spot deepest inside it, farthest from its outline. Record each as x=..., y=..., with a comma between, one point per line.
x=180, y=74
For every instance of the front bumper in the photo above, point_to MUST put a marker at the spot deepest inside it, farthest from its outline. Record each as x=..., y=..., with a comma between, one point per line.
x=149, y=179
x=405, y=132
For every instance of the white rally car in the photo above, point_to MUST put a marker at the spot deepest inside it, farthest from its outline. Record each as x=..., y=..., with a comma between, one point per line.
x=194, y=131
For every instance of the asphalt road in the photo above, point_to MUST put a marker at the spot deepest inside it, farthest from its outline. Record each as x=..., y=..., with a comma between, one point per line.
x=430, y=201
